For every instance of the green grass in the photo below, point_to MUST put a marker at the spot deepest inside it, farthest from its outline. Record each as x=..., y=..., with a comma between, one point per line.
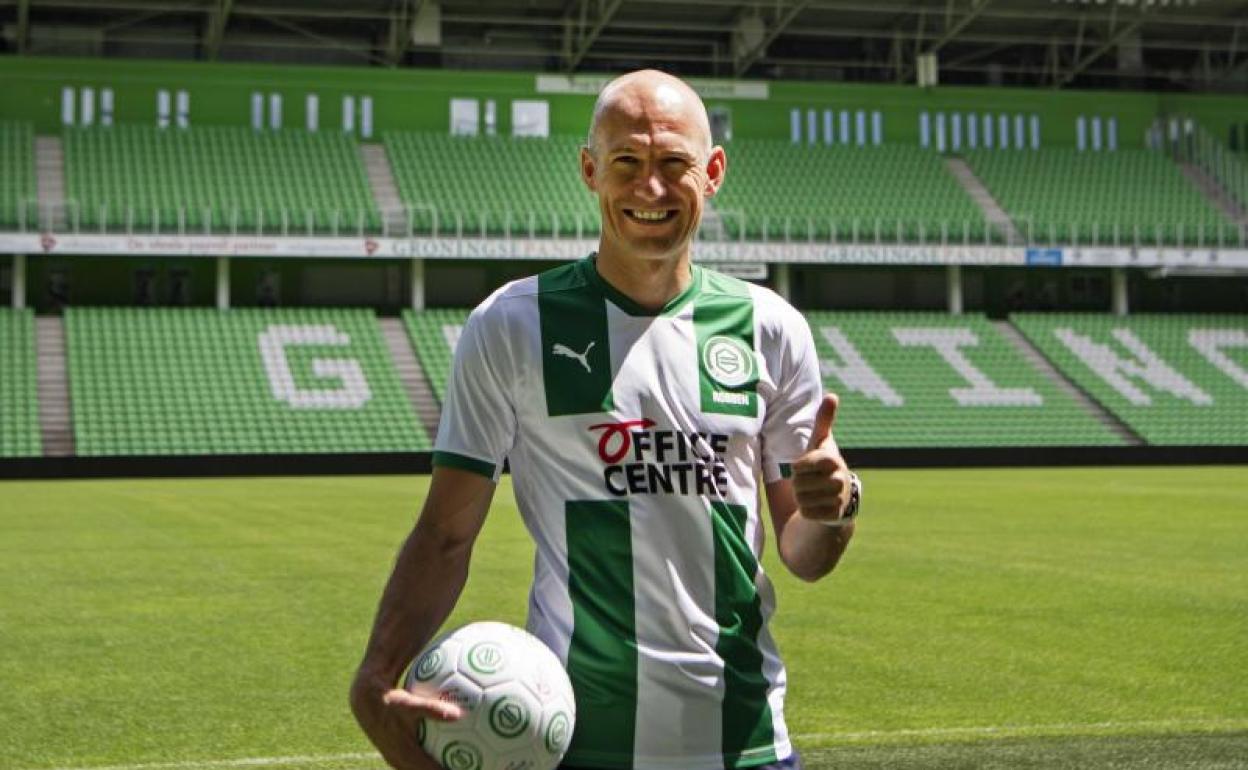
x=1002, y=618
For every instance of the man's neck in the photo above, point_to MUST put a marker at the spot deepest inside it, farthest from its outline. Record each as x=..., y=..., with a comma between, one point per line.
x=651, y=283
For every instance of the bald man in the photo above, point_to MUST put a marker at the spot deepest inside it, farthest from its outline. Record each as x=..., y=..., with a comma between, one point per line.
x=639, y=399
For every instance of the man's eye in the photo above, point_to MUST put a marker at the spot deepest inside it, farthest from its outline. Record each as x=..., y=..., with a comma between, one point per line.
x=628, y=159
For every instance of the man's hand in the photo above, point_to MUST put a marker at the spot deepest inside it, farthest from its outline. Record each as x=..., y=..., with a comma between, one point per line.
x=821, y=479
x=390, y=717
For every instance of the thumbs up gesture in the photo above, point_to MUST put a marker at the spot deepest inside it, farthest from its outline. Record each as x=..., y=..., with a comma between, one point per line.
x=821, y=479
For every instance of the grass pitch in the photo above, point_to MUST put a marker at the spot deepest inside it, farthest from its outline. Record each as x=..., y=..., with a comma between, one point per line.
x=995, y=618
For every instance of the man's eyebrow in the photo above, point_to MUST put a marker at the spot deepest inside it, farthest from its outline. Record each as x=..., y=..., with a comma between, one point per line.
x=665, y=151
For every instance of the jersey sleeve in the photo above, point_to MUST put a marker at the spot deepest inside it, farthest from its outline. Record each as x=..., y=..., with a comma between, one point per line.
x=790, y=415
x=478, y=423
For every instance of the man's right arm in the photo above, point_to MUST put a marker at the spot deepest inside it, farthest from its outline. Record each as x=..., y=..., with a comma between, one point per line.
x=428, y=576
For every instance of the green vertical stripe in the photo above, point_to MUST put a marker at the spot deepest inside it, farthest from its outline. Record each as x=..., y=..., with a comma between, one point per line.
x=602, y=656
x=574, y=324
x=746, y=716
x=724, y=311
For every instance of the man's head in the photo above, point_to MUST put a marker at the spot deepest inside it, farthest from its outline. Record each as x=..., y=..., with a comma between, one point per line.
x=651, y=162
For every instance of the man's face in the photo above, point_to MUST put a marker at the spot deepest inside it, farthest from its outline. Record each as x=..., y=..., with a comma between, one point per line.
x=652, y=173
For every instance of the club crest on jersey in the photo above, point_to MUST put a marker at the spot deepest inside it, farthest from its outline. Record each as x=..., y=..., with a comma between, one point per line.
x=639, y=460
x=728, y=361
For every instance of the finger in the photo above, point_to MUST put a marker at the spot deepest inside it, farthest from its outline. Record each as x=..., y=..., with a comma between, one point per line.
x=822, y=505
x=818, y=495
x=829, y=505
x=823, y=420
x=815, y=464
x=806, y=497
x=420, y=705
x=822, y=513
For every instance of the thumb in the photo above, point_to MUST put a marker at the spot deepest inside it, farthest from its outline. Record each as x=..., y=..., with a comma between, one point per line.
x=823, y=420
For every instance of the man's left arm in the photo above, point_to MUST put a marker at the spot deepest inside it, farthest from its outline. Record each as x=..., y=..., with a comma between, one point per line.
x=809, y=508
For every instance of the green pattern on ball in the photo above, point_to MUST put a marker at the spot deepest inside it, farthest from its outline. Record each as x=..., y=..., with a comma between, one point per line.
x=486, y=658
x=557, y=733
x=429, y=665
x=461, y=756
x=508, y=717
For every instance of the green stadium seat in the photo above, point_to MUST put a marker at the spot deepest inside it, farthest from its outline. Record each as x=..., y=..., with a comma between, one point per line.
x=218, y=178
x=1064, y=196
x=18, y=208
x=787, y=191
x=1195, y=390
x=202, y=381
x=921, y=400
x=506, y=184
x=19, y=402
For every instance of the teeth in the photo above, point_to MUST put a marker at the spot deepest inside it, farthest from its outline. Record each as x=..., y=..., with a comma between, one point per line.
x=650, y=216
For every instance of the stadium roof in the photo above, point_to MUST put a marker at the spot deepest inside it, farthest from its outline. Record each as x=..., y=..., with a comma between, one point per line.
x=1155, y=44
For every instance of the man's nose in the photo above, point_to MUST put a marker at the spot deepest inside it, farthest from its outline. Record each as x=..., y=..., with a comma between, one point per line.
x=652, y=185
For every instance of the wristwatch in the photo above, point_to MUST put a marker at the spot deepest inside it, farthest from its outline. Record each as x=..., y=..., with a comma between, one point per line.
x=855, y=496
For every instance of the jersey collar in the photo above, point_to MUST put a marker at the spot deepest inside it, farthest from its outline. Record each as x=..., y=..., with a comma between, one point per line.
x=589, y=269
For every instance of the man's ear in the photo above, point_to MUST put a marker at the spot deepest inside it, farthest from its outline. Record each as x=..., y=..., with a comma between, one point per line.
x=588, y=167
x=716, y=168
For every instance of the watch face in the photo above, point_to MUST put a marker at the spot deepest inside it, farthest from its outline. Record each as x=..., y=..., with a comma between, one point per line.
x=855, y=497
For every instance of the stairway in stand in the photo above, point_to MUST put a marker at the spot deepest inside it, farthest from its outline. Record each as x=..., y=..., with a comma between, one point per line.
x=975, y=188
x=50, y=178
x=415, y=384
x=385, y=189
x=55, y=414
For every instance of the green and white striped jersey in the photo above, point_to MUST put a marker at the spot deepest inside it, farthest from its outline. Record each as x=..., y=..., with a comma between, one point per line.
x=636, y=440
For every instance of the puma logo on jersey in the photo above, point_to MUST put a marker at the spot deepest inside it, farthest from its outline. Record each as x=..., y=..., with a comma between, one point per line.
x=563, y=350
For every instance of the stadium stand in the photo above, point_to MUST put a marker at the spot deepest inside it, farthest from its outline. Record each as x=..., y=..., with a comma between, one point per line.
x=203, y=381
x=433, y=334
x=492, y=185
x=1064, y=196
x=930, y=379
x=786, y=191
x=217, y=178
x=19, y=403
x=222, y=179
x=17, y=175
x=1174, y=379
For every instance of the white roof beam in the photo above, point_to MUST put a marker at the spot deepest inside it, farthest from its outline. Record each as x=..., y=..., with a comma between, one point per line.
x=754, y=54
x=217, y=21
x=977, y=8
x=585, y=40
x=23, y=25
x=1082, y=64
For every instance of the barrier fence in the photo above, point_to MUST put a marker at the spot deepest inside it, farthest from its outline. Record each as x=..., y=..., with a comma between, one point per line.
x=725, y=225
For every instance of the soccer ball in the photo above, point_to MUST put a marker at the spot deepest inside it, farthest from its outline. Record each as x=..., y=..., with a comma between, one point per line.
x=518, y=705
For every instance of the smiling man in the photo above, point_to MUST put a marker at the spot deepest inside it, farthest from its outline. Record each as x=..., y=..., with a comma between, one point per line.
x=639, y=399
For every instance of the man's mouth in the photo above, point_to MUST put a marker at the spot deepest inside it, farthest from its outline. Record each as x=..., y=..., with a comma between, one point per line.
x=650, y=216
